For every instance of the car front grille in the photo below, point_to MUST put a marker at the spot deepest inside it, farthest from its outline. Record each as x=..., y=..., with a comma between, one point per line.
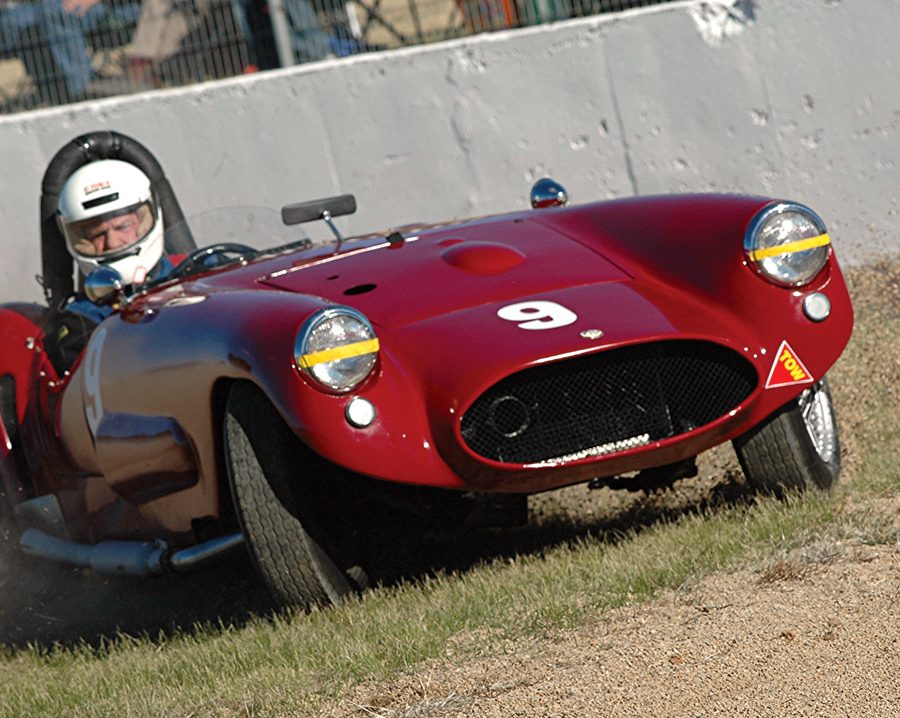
x=606, y=402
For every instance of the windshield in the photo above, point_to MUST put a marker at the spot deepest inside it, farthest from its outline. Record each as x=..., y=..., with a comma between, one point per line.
x=258, y=227
x=228, y=236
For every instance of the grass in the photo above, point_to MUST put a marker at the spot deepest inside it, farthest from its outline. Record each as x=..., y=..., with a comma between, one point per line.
x=292, y=665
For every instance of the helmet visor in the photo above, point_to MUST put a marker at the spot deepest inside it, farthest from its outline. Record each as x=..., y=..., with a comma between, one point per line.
x=110, y=234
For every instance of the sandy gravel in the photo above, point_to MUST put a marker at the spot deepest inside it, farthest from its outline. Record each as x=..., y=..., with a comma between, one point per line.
x=816, y=633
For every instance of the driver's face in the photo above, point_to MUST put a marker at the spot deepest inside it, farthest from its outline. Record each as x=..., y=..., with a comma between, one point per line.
x=116, y=233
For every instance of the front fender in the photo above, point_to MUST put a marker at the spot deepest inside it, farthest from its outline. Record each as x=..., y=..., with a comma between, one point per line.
x=685, y=252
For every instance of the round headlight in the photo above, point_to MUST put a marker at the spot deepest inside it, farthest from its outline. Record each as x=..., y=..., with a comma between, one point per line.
x=336, y=347
x=788, y=244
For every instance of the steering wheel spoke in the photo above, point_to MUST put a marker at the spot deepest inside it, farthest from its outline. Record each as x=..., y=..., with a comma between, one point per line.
x=215, y=255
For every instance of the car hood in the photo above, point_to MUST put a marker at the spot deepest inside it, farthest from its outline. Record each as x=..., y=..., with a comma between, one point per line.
x=441, y=271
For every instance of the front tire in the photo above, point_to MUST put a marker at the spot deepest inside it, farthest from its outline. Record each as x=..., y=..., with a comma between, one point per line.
x=266, y=474
x=795, y=449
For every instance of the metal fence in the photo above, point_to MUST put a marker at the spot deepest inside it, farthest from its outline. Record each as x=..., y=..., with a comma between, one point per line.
x=54, y=52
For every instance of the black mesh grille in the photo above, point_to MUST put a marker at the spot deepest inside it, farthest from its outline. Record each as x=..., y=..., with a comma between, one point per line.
x=606, y=402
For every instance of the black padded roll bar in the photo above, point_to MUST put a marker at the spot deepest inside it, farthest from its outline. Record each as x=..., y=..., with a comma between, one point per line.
x=102, y=145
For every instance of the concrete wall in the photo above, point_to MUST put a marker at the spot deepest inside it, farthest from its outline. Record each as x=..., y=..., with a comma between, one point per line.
x=792, y=98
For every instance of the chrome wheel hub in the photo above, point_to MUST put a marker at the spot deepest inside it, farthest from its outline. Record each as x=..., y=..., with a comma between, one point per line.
x=818, y=418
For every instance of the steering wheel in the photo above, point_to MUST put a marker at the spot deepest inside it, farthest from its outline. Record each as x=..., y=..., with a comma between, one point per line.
x=213, y=256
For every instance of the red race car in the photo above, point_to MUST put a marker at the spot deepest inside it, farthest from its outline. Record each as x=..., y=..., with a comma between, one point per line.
x=287, y=398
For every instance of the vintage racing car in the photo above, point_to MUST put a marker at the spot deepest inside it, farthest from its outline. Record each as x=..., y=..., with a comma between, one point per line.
x=284, y=399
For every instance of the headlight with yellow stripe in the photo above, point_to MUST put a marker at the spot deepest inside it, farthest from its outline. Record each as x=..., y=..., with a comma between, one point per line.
x=337, y=348
x=787, y=243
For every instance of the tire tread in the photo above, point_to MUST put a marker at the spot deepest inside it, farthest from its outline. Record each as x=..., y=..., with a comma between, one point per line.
x=295, y=568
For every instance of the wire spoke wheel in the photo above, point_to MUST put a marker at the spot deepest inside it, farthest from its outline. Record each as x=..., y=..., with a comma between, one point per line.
x=818, y=418
x=797, y=448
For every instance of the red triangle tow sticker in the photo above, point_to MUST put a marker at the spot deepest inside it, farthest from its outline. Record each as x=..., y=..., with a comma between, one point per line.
x=787, y=369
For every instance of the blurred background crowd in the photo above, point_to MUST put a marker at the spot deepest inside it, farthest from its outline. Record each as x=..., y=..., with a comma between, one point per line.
x=54, y=52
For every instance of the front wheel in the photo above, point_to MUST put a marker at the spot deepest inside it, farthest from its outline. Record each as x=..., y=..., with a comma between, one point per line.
x=268, y=474
x=795, y=449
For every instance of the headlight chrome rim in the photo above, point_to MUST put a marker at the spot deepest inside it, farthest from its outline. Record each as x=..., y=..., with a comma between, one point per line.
x=762, y=259
x=311, y=364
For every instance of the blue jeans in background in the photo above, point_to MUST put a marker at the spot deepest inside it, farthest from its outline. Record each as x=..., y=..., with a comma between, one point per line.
x=308, y=41
x=63, y=55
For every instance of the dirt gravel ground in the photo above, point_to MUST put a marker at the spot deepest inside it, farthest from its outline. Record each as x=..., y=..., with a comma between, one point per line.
x=822, y=641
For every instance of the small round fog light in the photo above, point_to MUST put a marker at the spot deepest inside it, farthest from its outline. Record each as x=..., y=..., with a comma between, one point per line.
x=816, y=306
x=360, y=413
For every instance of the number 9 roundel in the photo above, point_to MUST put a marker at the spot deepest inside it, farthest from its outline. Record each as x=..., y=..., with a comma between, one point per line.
x=538, y=315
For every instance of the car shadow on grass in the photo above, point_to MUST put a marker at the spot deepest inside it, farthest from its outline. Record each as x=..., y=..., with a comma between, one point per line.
x=44, y=606
x=590, y=518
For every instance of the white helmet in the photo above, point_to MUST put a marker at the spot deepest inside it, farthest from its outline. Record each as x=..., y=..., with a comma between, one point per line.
x=109, y=216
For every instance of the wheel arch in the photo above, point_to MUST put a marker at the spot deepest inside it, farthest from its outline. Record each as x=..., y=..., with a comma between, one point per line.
x=219, y=401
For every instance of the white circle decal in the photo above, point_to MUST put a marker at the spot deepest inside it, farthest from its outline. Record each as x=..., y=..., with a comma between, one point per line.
x=538, y=315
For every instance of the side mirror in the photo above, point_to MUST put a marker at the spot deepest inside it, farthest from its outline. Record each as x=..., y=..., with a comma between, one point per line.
x=323, y=209
x=104, y=286
x=318, y=209
x=547, y=193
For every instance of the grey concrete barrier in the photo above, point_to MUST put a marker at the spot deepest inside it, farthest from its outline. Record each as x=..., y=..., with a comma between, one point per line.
x=792, y=98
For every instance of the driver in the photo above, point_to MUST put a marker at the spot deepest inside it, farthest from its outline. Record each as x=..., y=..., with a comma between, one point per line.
x=109, y=216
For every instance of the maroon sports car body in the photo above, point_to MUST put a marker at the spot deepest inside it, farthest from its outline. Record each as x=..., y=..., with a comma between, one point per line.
x=269, y=397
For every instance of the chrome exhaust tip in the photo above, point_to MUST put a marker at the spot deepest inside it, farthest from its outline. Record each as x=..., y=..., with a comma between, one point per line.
x=127, y=558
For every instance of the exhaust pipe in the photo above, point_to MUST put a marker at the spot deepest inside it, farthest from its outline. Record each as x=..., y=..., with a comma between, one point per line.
x=203, y=554
x=126, y=558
